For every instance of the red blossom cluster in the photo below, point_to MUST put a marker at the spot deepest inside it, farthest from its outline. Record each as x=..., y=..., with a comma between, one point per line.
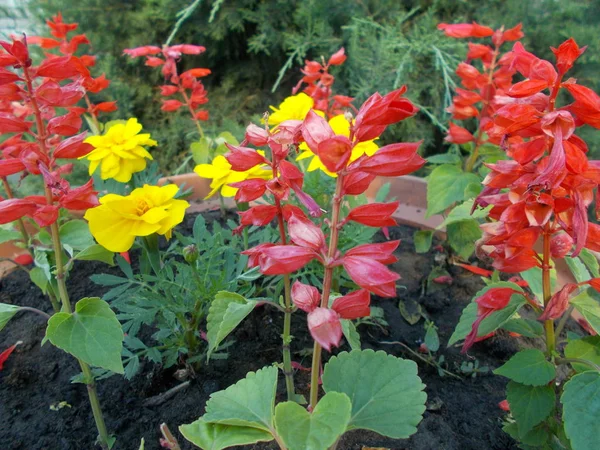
x=483, y=92
x=366, y=264
x=544, y=190
x=187, y=84
x=68, y=46
x=38, y=94
x=319, y=81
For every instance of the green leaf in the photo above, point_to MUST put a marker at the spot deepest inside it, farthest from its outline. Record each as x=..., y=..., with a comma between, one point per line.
x=142, y=444
x=422, y=239
x=386, y=393
x=473, y=190
x=528, y=367
x=248, y=403
x=529, y=405
x=76, y=234
x=226, y=312
x=213, y=436
x=587, y=348
x=301, y=430
x=591, y=262
x=6, y=313
x=41, y=260
x=96, y=252
x=463, y=212
x=444, y=158
x=38, y=277
x=578, y=269
x=446, y=186
x=493, y=321
x=536, y=437
x=581, y=409
x=432, y=340
x=92, y=333
x=589, y=309
x=350, y=333
x=462, y=236
x=526, y=327
x=200, y=151
x=9, y=235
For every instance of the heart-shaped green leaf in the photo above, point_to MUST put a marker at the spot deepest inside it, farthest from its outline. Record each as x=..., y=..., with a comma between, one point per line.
x=581, y=408
x=386, y=393
x=248, y=403
x=529, y=405
x=301, y=430
x=589, y=309
x=587, y=348
x=92, y=333
x=528, y=367
x=226, y=312
x=6, y=313
x=214, y=436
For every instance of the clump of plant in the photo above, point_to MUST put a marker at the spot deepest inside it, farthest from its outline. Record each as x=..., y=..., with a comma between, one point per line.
x=362, y=387
x=44, y=123
x=538, y=201
x=486, y=77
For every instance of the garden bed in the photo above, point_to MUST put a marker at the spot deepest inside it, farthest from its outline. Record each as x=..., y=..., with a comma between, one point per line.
x=461, y=414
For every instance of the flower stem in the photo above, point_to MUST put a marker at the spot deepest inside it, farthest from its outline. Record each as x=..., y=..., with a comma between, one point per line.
x=327, y=280
x=547, y=293
x=287, y=315
x=60, y=268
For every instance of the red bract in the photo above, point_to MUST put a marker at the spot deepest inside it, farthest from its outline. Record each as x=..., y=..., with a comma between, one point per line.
x=305, y=297
x=559, y=303
x=354, y=305
x=6, y=353
x=371, y=275
x=325, y=327
x=465, y=30
x=374, y=214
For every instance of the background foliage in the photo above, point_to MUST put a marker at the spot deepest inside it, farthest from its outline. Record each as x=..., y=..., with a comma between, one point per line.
x=254, y=45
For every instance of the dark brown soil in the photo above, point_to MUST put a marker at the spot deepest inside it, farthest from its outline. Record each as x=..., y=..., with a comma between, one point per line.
x=462, y=414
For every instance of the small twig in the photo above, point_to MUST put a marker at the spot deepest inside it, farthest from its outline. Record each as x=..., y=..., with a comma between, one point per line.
x=161, y=398
x=35, y=310
x=168, y=439
x=422, y=358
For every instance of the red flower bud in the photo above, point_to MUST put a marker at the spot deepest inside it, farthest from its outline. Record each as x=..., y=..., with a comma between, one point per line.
x=504, y=406
x=305, y=297
x=306, y=234
x=337, y=58
x=354, y=305
x=168, y=89
x=374, y=214
x=559, y=303
x=24, y=259
x=458, y=135
x=335, y=152
x=256, y=135
x=325, y=327
x=560, y=245
x=243, y=158
x=171, y=105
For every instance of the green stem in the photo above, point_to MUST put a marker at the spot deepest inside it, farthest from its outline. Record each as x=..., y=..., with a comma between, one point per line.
x=547, y=293
x=60, y=270
x=327, y=280
x=578, y=361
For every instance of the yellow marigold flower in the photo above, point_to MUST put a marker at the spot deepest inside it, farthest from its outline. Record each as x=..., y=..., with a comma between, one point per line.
x=221, y=174
x=118, y=219
x=295, y=107
x=340, y=126
x=120, y=152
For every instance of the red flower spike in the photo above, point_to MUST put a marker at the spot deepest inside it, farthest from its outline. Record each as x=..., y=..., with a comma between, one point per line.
x=374, y=214
x=382, y=252
x=559, y=303
x=458, y=135
x=243, y=158
x=465, y=30
x=257, y=136
x=282, y=259
x=7, y=76
x=171, y=105
x=10, y=167
x=393, y=160
x=16, y=208
x=371, y=275
x=73, y=147
x=315, y=130
x=305, y=297
x=337, y=58
x=566, y=54
x=560, y=245
x=335, y=152
x=353, y=305
x=249, y=190
x=306, y=234
x=325, y=327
